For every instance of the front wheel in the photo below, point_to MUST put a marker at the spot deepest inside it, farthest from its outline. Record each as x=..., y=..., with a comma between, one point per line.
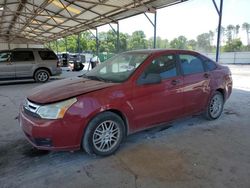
x=215, y=106
x=41, y=75
x=104, y=134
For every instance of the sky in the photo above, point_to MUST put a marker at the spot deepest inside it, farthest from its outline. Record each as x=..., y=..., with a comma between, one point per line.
x=189, y=18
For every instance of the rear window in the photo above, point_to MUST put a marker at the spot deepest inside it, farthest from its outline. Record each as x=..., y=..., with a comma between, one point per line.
x=47, y=55
x=23, y=56
x=191, y=64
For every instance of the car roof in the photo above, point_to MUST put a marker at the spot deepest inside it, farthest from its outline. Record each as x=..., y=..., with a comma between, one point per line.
x=31, y=49
x=152, y=51
x=27, y=49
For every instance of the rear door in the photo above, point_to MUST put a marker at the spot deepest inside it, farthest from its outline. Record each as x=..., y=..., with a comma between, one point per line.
x=24, y=62
x=7, y=68
x=196, y=86
x=158, y=102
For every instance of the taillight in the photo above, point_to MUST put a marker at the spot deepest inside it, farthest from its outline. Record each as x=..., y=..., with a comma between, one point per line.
x=57, y=64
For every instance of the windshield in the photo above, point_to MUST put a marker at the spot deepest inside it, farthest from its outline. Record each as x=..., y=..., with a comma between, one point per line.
x=117, y=68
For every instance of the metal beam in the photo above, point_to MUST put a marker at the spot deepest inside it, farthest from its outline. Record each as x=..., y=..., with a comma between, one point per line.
x=18, y=12
x=117, y=36
x=219, y=11
x=97, y=43
x=78, y=43
x=155, y=30
x=153, y=23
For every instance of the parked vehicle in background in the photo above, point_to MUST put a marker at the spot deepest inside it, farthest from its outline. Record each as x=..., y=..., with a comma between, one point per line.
x=129, y=92
x=22, y=63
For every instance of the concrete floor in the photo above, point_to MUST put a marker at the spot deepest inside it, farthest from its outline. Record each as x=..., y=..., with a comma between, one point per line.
x=191, y=152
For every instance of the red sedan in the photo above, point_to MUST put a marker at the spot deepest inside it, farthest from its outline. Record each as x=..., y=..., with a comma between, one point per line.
x=130, y=92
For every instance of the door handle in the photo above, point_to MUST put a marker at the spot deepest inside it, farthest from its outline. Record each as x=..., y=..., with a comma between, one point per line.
x=206, y=75
x=175, y=82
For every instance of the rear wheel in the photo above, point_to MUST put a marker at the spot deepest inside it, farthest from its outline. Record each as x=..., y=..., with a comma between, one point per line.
x=215, y=106
x=41, y=75
x=104, y=134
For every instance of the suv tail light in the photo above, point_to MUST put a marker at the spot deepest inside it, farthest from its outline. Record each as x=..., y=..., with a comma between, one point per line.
x=58, y=63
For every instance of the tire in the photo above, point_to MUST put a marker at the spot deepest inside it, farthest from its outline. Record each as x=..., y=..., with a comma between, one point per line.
x=215, y=106
x=41, y=75
x=104, y=134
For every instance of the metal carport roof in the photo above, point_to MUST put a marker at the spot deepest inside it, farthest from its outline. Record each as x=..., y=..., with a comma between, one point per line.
x=41, y=21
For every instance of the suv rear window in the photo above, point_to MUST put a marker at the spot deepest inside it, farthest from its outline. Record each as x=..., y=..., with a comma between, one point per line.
x=47, y=55
x=23, y=56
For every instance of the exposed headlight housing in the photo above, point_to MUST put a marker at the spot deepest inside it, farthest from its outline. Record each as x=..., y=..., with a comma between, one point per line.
x=55, y=110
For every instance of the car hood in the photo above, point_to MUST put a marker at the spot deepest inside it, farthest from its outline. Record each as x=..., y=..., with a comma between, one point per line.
x=64, y=89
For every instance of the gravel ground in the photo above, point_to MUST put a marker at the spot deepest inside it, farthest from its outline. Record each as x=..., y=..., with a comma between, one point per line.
x=190, y=152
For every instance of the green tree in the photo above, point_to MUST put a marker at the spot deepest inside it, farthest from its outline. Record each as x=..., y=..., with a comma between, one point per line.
x=246, y=27
x=233, y=46
x=211, y=36
x=229, y=32
x=123, y=42
x=222, y=34
x=237, y=29
x=108, y=41
x=192, y=44
x=179, y=43
x=137, y=40
x=203, y=42
x=160, y=43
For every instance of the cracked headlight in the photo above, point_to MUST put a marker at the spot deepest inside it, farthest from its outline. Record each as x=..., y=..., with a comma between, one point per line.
x=55, y=110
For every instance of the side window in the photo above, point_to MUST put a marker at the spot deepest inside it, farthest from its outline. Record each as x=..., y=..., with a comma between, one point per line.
x=210, y=65
x=4, y=56
x=191, y=64
x=23, y=56
x=47, y=55
x=164, y=65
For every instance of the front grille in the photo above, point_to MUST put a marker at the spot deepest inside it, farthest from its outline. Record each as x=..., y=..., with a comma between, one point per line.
x=43, y=142
x=31, y=113
x=32, y=107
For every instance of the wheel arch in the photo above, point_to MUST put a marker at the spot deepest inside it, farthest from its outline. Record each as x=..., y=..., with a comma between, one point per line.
x=115, y=111
x=222, y=91
x=123, y=117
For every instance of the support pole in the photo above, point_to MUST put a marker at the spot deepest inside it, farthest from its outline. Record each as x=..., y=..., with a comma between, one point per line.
x=78, y=43
x=155, y=30
x=66, y=44
x=97, y=42
x=56, y=47
x=219, y=11
x=118, y=38
x=153, y=24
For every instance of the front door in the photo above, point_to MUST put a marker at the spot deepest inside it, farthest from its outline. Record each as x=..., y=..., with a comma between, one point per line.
x=24, y=62
x=158, y=102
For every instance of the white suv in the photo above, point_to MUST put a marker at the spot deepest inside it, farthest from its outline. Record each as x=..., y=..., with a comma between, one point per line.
x=37, y=63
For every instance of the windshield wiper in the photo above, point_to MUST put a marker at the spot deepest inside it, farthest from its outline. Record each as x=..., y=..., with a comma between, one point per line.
x=95, y=78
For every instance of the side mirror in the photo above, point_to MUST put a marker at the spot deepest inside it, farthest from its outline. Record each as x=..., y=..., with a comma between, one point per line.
x=150, y=78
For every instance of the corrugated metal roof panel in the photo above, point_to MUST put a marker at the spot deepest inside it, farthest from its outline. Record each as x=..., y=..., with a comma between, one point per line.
x=46, y=20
